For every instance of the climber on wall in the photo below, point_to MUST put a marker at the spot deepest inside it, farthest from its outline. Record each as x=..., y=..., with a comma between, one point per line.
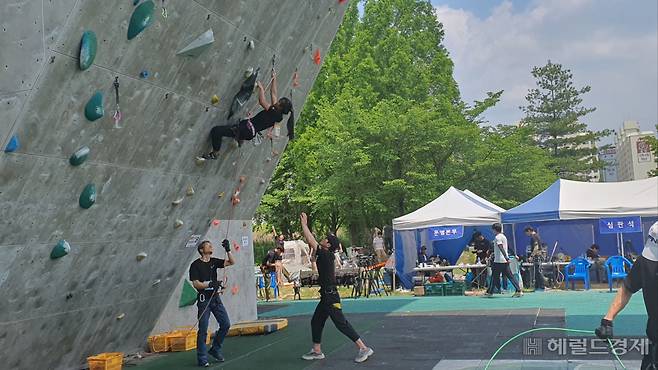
x=247, y=128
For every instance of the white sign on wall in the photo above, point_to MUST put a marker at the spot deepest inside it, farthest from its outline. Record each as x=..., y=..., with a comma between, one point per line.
x=643, y=151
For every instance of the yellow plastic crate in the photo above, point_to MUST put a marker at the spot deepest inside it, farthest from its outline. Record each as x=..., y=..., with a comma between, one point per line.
x=159, y=343
x=184, y=340
x=106, y=361
x=257, y=327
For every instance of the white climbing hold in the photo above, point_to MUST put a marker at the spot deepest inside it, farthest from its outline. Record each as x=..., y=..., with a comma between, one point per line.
x=178, y=223
x=190, y=191
x=251, y=45
x=268, y=159
x=156, y=282
x=177, y=202
x=200, y=161
x=196, y=47
x=248, y=72
x=220, y=195
x=262, y=181
x=141, y=256
x=121, y=316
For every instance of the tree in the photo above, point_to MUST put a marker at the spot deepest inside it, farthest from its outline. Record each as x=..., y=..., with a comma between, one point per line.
x=384, y=131
x=554, y=111
x=653, y=142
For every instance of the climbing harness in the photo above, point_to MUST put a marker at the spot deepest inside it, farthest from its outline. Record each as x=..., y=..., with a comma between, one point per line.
x=553, y=329
x=117, y=112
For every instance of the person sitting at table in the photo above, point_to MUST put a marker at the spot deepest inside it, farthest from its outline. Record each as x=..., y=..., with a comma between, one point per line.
x=597, y=261
x=423, y=258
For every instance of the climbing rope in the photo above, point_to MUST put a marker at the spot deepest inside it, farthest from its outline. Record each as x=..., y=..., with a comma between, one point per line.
x=556, y=329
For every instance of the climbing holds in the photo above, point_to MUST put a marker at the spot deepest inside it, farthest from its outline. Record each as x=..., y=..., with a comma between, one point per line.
x=235, y=289
x=243, y=179
x=220, y=195
x=79, y=156
x=177, y=201
x=88, y=196
x=141, y=18
x=156, y=282
x=13, y=144
x=190, y=191
x=268, y=159
x=198, y=45
x=144, y=74
x=94, y=108
x=87, y=49
x=275, y=153
x=235, y=199
x=317, y=58
x=121, y=316
x=116, y=115
x=178, y=224
x=248, y=72
x=251, y=45
x=262, y=181
x=295, y=78
x=141, y=256
x=61, y=249
x=342, y=1
x=214, y=100
x=215, y=222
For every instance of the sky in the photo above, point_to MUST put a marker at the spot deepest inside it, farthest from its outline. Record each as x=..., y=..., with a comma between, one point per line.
x=611, y=45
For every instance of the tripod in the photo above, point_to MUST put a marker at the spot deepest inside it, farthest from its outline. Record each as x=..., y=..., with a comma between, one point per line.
x=369, y=281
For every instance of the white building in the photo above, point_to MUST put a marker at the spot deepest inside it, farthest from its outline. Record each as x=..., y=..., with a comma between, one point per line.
x=609, y=159
x=634, y=156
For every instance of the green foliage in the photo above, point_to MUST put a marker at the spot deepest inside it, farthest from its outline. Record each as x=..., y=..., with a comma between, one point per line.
x=384, y=131
x=653, y=142
x=553, y=111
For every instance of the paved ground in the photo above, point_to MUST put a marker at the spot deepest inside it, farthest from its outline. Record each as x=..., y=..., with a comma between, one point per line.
x=436, y=333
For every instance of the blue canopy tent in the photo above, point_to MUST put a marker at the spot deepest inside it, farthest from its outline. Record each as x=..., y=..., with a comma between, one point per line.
x=444, y=226
x=577, y=214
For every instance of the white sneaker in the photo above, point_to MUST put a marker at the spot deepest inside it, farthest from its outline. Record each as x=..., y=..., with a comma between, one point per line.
x=364, y=354
x=312, y=355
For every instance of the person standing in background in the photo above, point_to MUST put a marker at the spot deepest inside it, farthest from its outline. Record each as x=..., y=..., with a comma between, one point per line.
x=378, y=246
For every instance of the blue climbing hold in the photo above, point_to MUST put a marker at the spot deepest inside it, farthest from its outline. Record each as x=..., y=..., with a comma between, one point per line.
x=88, y=196
x=94, y=108
x=13, y=144
x=144, y=74
x=79, y=156
x=142, y=17
x=61, y=249
x=87, y=49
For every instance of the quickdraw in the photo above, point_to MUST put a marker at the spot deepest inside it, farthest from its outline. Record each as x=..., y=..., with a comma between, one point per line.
x=117, y=111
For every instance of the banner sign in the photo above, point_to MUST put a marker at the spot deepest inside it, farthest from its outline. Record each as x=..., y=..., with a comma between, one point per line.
x=446, y=232
x=620, y=225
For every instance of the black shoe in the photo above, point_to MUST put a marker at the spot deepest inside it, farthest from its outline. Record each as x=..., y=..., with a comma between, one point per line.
x=207, y=156
x=216, y=355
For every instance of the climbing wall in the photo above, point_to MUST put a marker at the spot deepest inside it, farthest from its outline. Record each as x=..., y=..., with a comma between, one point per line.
x=102, y=201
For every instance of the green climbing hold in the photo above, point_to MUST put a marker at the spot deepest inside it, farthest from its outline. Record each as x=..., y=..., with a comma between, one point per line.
x=88, y=196
x=188, y=295
x=79, y=156
x=142, y=17
x=94, y=108
x=61, y=249
x=87, y=49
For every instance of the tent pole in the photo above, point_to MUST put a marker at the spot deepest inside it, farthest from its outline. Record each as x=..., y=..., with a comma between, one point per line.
x=394, y=264
x=621, y=237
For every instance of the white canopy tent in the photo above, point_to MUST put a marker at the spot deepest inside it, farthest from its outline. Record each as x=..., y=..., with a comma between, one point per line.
x=453, y=207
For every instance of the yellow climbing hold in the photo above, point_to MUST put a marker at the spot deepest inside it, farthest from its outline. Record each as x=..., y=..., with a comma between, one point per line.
x=214, y=100
x=220, y=195
x=190, y=191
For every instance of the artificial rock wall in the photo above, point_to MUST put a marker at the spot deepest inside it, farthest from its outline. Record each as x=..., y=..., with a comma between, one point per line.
x=100, y=297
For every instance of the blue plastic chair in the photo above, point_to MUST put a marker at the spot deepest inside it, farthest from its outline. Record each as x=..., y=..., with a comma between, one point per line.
x=581, y=272
x=614, y=266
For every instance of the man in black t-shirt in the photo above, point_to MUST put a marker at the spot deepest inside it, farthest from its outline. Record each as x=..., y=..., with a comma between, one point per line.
x=538, y=254
x=268, y=266
x=329, y=305
x=643, y=275
x=203, y=274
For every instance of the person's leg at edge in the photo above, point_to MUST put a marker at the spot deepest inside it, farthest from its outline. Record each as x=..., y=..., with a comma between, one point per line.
x=217, y=133
x=266, y=279
x=203, y=316
x=219, y=311
x=335, y=311
x=317, y=325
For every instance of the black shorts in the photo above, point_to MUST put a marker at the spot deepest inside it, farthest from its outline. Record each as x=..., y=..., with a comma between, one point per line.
x=644, y=275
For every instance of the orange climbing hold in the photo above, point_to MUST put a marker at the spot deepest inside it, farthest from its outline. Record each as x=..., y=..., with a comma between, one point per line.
x=215, y=222
x=235, y=290
x=295, y=79
x=242, y=179
x=317, y=58
x=342, y=1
